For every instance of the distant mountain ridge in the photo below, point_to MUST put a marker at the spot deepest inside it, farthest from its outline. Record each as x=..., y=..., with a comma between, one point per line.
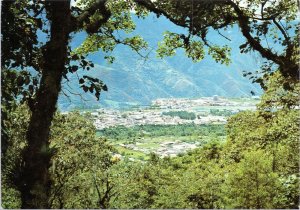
x=133, y=80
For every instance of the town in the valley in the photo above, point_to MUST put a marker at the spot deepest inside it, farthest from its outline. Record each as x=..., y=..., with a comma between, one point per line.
x=205, y=110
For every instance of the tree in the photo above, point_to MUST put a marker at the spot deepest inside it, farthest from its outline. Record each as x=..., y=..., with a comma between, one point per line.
x=80, y=167
x=252, y=183
x=136, y=184
x=52, y=61
x=269, y=139
x=15, y=124
x=257, y=20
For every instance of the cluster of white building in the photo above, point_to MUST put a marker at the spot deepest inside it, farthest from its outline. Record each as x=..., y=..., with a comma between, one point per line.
x=174, y=148
x=109, y=118
x=183, y=103
x=187, y=103
x=171, y=148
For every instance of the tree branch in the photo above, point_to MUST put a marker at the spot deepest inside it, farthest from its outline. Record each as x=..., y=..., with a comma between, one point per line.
x=243, y=22
x=78, y=22
x=281, y=30
x=223, y=35
x=150, y=6
x=289, y=49
x=119, y=41
x=97, y=188
x=287, y=66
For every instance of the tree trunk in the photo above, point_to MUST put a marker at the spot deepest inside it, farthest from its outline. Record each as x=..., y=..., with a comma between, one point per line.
x=35, y=183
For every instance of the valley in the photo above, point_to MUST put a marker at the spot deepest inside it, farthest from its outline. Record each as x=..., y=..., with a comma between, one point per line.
x=169, y=126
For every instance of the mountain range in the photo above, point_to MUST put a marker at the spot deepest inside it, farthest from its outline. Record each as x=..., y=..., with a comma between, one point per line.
x=132, y=80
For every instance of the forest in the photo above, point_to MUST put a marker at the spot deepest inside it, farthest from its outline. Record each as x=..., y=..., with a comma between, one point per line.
x=51, y=159
x=181, y=114
x=121, y=132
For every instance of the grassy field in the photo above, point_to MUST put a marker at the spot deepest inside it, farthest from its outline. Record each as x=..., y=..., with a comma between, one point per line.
x=131, y=153
x=139, y=141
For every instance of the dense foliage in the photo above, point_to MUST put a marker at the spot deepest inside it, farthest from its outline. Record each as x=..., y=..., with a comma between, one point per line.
x=122, y=132
x=219, y=112
x=181, y=114
x=256, y=167
x=79, y=163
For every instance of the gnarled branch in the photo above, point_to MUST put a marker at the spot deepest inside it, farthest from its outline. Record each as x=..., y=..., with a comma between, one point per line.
x=84, y=17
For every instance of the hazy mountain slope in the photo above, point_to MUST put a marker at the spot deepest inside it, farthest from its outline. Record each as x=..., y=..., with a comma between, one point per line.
x=132, y=79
